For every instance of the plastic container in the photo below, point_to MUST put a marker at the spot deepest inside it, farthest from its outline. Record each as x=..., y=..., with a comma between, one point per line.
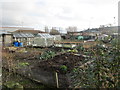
x=16, y=44
x=20, y=44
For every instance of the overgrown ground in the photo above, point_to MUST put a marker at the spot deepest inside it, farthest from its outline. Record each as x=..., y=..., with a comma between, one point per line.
x=103, y=72
x=93, y=67
x=14, y=81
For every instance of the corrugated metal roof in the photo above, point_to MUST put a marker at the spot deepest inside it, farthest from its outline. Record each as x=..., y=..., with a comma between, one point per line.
x=20, y=35
x=1, y=32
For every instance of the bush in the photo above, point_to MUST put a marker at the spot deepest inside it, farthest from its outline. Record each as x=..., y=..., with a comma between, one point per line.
x=104, y=72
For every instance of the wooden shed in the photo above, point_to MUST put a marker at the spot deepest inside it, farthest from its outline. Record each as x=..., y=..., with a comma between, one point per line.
x=6, y=39
x=0, y=40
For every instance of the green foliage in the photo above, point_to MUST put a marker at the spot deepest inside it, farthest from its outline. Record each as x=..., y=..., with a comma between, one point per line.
x=80, y=48
x=72, y=51
x=63, y=68
x=63, y=51
x=47, y=55
x=75, y=70
x=23, y=64
x=104, y=72
x=14, y=85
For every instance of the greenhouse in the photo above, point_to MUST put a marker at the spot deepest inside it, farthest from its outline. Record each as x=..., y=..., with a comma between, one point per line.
x=25, y=38
x=43, y=40
x=57, y=37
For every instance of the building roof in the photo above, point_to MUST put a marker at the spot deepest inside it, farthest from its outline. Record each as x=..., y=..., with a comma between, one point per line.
x=23, y=35
x=109, y=30
x=29, y=31
x=93, y=30
x=12, y=29
x=4, y=33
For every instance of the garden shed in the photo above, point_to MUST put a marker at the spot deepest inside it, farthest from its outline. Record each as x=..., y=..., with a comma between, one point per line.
x=0, y=40
x=25, y=38
x=6, y=39
x=57, y=37
x=0, y=37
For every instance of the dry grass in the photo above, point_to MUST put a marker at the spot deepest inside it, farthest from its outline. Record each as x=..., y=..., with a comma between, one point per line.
x=89, y=44
x=8, y=60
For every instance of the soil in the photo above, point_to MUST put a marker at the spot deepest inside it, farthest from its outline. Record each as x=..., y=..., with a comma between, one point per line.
x=69, y=60
x=9, y=78
x=27, y=56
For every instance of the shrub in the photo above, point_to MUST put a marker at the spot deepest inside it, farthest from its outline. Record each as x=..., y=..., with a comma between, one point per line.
x=103, y=72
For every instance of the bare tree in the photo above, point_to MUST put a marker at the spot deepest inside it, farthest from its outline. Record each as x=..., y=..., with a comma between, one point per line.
x=54, y=32
x=71, y=29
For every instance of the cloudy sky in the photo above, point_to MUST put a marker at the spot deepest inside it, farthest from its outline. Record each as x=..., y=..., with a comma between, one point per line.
x=58, y=13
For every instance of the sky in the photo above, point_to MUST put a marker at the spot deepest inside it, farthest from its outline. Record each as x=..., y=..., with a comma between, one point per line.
x=58, y=13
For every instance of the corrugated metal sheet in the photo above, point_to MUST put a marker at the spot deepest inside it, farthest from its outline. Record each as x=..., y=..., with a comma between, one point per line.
x=1, y=32
x=24, y=35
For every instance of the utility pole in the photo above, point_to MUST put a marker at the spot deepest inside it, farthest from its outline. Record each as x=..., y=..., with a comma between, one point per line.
x=114, y=21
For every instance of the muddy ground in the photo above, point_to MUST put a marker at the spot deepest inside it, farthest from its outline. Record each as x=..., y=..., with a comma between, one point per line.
x=61, y=63
x=55, y=64
x=10, y=80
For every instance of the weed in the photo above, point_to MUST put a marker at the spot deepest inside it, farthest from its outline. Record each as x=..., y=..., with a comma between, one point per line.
x=75, y=70
x=47, y=55
x=63, y=68
x=23, y=64
x=14, y=85
x=73, y=51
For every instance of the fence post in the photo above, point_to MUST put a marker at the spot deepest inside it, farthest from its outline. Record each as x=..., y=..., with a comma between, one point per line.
x=56, y=76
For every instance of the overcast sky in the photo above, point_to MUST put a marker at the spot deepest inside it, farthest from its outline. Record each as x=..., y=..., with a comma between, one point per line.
x=58, y=13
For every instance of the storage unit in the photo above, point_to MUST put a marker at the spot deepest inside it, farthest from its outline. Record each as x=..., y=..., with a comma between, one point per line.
x=57, y=37
x=0, y=41
x=6, y=39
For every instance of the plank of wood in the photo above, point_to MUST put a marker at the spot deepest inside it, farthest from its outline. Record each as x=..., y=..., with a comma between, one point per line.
x=67, y=42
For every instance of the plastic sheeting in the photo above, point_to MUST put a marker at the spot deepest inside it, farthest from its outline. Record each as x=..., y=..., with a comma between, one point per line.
x=45, y=35
x=43, y=42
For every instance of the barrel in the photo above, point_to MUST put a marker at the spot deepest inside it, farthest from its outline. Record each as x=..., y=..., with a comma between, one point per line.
x=16, y=44
x=20, y=44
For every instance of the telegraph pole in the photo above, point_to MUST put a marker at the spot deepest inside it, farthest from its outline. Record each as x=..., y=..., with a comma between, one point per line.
x=114, y=21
